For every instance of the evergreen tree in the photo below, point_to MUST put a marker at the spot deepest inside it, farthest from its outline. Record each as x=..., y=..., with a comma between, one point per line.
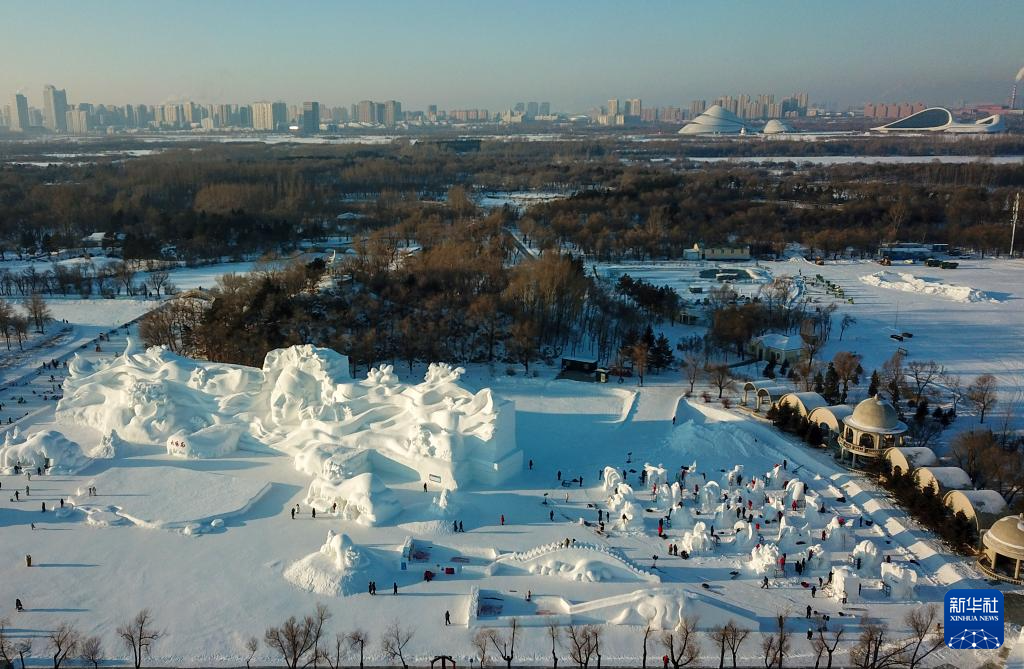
x=649, y=340
x=831, y=391
x=819, y=383
x=876, y=383
x=661, y=353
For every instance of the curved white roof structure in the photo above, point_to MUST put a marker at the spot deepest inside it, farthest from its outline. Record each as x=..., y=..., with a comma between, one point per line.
x=940, y=119
x=717, y=120
x=777, y=127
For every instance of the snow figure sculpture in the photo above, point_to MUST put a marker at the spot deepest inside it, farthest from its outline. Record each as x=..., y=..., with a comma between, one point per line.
x=710, y=496
x=612, y=478
x=764, y=559
x=33, y=451
x=870, y=559
x=901, y=581
x=745, y=537
x=342, y=551
x=845, y=584
x=697, y=540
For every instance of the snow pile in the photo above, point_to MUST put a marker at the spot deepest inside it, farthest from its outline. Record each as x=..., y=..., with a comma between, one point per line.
x=867, y=552
x=32, y=452
x=901, y=581
x=363, y=499
x=922, y=285
x=332, y=570
x=110, y=445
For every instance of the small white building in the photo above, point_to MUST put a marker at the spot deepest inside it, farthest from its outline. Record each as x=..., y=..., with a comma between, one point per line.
x=776, y=347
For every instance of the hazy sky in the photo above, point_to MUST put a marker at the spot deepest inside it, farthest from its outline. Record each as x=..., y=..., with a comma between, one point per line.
x=492, y=54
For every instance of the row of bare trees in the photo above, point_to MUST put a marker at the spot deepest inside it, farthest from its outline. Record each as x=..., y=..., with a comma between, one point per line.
x=65, y=643
x=87, y=279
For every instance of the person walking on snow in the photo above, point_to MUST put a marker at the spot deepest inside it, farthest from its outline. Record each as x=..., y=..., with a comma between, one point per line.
x=551, y=515
x=447, y=618
x=502, y=519
x=394, y=588
x=293, y=513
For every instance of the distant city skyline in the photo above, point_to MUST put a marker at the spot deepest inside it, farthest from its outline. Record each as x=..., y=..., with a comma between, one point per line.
x=464, y=54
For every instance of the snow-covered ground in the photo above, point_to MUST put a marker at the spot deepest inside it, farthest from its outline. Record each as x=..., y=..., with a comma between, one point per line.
x=218, y=560
x=210, y=545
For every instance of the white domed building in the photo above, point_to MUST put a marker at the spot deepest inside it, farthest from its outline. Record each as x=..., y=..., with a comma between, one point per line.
x=716, y=120
x=1003, y=549
x=873, y=428
x=777, y=127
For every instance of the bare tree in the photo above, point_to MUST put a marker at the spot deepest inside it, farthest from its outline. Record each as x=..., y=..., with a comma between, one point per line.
x=505, y=645
x=923, y=373
x=357, y=640
x=394, y=641
x=640, y=355
x=252, y=644
x=826, y=645
x=555, y=634
x=955, y=387
x=770, y=650
x=91, y=651
x=874, y=650
x=846, y=365
x=125, y=273
x=845, y=324
x=157, y=279
x=581, y=644
x=63, y=642
x=737, y=635
x=138, y=635
x=893, y=376
x=647, y=633
x=776, y=646
x=7, y=649
x=720, y=377
x=481, y=642
x=23, y=648
x=681, y=644
x=334, y=654
x=719, y=635
x=982, y=394
x=38, y=311
x=926, y=637
x=692, y=368
x=298, y=641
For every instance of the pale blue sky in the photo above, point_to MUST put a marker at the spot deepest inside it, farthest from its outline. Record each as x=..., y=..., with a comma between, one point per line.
x=490, y=54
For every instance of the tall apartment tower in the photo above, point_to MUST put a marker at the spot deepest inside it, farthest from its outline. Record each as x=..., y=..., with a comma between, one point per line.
x=55, y=106
x=19, y=113
x=310, y=118
x=613, y=107
x=392, y=113
x=268, y=116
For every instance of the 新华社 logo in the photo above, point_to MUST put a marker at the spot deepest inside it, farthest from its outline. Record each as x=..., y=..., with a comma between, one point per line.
x=974, y=619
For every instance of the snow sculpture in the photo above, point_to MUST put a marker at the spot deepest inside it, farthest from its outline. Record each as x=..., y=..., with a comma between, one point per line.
x=303, y=403
x=624, y=513
x=612, y=478
x=363, y=499
x=870, y=559
x=110, y=445
x=745, y=537
x=697, y=540
x=764, y=558
x=32, y=452
x=845, y=584
x=710, y=496
x=656, y=475
x=901, y=581
x=336, y=569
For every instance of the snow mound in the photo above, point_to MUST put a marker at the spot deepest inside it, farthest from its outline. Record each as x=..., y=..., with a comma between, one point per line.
x=926, y=286
x=167, y=497
x=332, y=570
x=33, y=451
x=363, y=499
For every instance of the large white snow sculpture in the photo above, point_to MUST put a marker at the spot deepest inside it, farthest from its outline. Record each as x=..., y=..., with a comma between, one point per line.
x=305, y=404
x=901, y=580
x=33, y=451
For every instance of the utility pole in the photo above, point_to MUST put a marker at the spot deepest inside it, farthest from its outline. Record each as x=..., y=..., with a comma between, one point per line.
x=1013, y=230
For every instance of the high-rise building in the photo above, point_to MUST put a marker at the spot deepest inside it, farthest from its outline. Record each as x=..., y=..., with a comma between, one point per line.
x=613, y=107
x=244, y=116
x=634, y=107
x=545, y=109
x=367, y=112
x=20, y=121
x=77, y=121
x=310, y=118
x=392, y=113
x=698, y=107
x=532, y=109
x=269, y=116
x=55, y=106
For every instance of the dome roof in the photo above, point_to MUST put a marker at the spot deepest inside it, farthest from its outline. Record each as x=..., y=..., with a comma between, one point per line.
x=1006, y=536
x=876, y=415
x=716, y=120
x=775, y=127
